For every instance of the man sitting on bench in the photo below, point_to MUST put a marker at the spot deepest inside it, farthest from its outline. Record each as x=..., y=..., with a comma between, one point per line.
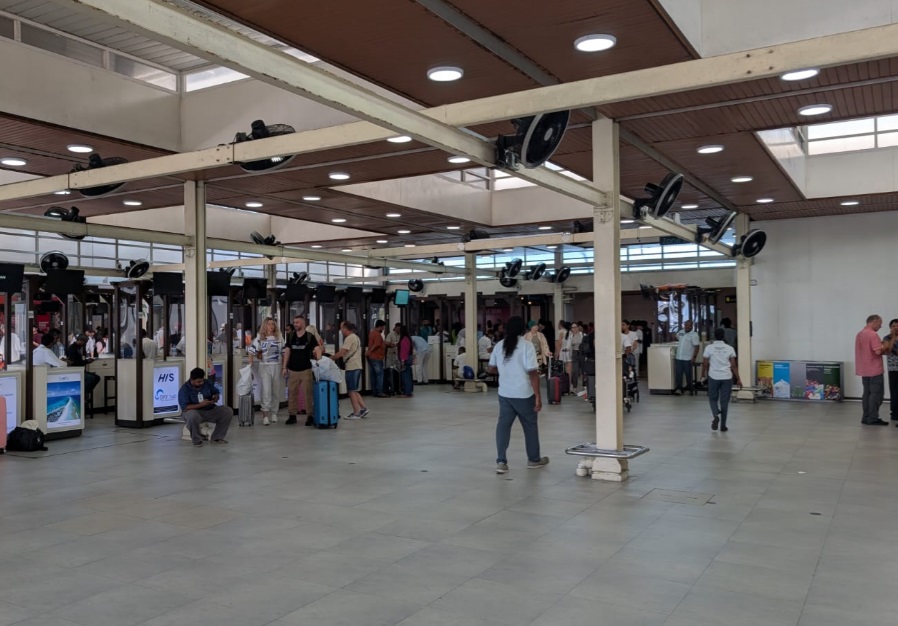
x=198, y=399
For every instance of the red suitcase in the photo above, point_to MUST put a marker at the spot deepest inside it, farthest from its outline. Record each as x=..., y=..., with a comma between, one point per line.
x=553, y=386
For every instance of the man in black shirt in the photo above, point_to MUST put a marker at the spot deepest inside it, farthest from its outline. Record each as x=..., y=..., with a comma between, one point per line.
x=74, y=355
x=298, y=355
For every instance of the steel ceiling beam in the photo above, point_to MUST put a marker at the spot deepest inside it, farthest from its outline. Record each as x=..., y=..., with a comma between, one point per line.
x=53, y=225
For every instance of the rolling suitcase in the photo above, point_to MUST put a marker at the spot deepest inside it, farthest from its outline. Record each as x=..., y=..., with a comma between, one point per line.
x=553, y=386
x=326, y=402
x=245, y=413
x=391, y=381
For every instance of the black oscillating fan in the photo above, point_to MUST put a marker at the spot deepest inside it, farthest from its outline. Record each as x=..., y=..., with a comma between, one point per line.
x=95, y=161
x=751, y=244
x=535, y=140
x=260, y=131
x=54, y=260
x=662, y=197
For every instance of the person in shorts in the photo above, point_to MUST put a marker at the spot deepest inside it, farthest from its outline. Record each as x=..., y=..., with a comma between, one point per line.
x=351, y=353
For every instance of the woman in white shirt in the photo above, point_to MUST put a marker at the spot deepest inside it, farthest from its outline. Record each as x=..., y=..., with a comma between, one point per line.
x=268, y=348
x=514, y=359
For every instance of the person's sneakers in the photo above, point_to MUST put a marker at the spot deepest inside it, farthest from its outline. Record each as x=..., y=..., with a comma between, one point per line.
x=303, y=412
x=677, y=392
x=538, y=464
x=501, y=468
x=197, y=444
x=291, y=420
x=310, y=421
x=274, y=419
x=222, y=442
x=723, y=429
x=877, y=423
x=715, y=422
x=265, y=421
x=364, y=413
x=353, y=416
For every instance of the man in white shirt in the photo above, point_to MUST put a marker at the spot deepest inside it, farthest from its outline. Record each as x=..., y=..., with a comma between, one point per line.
x=422, y=358
x=688, y=344
x=459, y=366
x=147, y=345
x=626, y=340
x=15, y=346
x=44, y=355
x=720, y=366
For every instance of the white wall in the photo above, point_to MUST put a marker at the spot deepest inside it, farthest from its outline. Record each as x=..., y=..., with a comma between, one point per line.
x=852, y=173
x=535, y=204
x=687, y=15
x=44, y=86
x=817, y=281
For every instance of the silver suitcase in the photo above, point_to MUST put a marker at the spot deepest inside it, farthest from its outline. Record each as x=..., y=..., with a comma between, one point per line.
x=245, y=413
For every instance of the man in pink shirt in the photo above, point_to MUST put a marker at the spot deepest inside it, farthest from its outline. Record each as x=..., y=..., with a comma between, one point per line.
x=868, y=365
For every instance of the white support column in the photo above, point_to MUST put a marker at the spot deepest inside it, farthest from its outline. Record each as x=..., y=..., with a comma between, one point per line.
x=471, y=316
x=557, y=294
x=607, y=313
x=743, y=313
x=195, y=289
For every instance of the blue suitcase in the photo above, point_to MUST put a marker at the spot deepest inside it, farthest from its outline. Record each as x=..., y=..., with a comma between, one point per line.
x=327, y=408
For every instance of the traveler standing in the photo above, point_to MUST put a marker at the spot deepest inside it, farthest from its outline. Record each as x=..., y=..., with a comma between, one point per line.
x=406, y=348
x=422, y=359
x=890, y=349
x=351, y=353
x=268, y=348
x=297, y=368
x=514, y=359
x=688, y=344
x=576, y=370
x=537, y=340
x=868, y=350
x=376, y=352
x=719, y=365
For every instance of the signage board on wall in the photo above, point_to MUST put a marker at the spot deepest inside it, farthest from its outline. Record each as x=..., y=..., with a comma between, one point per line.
x=64, y=405
x=166, y=384
x=800, y=380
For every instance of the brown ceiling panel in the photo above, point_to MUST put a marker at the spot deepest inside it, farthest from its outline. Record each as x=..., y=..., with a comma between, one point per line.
x=823, y=206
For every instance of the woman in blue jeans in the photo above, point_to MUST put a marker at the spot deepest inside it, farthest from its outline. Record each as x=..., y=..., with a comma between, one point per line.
x=519, y=396
x=406, y=349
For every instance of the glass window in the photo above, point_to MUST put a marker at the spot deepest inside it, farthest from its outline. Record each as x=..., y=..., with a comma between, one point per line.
x=840, y=129
x=77, y=50
x=161, y=255
x=887, y=122
x=143, y=72
x=211, y=77
x=844, y=144
x=887, y=140
x=7, y=29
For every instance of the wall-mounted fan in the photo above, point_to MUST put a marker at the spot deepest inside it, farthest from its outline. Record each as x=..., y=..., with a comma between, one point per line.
x=95, y=161
x=513, y=267
x=66, y=215
x=507, y=280
x=751, y=244
x=477, y=233
x=258, y=239
x=137, y=268
x=534, y=142
x=716, y=228
x=580, y=227
x=662, y=197
x=561, y=275
x=298, y=278
x=261, y=131
x=227, y=270
x=54, y=260
x=416, y=285
x=536, y=272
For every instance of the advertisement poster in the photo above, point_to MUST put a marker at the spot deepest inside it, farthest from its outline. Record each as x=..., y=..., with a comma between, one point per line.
x=63, y=400
x=813, y=381
x=166, y=384
x=832, y=381
x=782, y=385
x=764, y=376
x=9, y=390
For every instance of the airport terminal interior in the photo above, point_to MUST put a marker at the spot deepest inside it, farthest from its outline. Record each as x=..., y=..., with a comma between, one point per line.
x=696, y=186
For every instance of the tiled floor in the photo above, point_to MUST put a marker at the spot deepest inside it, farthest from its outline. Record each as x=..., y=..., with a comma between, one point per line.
x=399, y=519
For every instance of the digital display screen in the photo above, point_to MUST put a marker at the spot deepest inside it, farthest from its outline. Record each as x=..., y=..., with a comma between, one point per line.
x=401, y=297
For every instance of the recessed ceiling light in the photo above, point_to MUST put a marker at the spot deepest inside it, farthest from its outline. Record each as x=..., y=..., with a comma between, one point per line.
x=338, y=220
x=459, y=159
x=551, y=247
x=400, y=139
x=641, y=227
x=445, y=73
x=545, y=228
x=404, y=232
x=800, y=74
x=394, y=214
x=409, y=245
x=850, y=203
x=79, y=148
x=64, y=192
x=689, y=206
x=381, y=241
x=764, y=200
x=710, y=149
x=132, y=202
x=315, y=245
x=627, y=221
x=338, y=176
x=254, y=205
x=453, y=227
x=595, y=43
x=347, y=249
x=815, y=109
x=508, y=250
x=13, y=161
x=311, y=198
x=741, y=179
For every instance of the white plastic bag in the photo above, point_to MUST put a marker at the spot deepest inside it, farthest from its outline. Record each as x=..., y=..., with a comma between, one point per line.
x=245, y=381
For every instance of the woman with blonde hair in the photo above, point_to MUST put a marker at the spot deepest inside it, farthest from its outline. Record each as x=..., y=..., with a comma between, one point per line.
x=268, y=348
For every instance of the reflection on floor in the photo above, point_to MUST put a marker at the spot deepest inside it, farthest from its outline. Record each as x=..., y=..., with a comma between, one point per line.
x=789, y=518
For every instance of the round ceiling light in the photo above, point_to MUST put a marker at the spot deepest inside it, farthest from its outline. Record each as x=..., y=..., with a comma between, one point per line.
x=409, y=245
x=800, y=74
x=445, y=73
x=689, y=206
x=545, y=228
x=551, y=247
x=459, y=159
x=453, y=227
x=394, y=214
x=13, y=161
x=315, y=245
x=404, y=232
x=642, y=227
x=850, y=203
x=79, y=148
x=338, y=176
x=132, y=202
x=764, y=200
x=382, y=241
x=508, y=250
x=347, y=249
x=815, y=109
x=711, y=149
x=311, y=198
x=595, y=43
x=400, y=139
x=254, y=205
x=64, y=192
x=338, y=220
x=741, y=179
x=627, y=221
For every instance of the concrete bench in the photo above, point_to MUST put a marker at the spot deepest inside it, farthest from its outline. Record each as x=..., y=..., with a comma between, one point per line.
x=206, y=429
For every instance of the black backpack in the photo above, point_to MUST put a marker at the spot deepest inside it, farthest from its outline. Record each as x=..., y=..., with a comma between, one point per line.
x=25, y=440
